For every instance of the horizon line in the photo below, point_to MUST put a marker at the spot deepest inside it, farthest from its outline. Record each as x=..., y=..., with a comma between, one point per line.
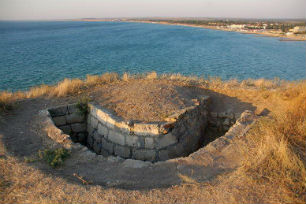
x=157, y=18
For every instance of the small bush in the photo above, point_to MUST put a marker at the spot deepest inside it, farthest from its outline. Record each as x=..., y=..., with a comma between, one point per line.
x=151, y=75
x=125, y=76
x=92, y=79
x=82, y=106
x=6, y=101
x=55, y=157
x=109, y=77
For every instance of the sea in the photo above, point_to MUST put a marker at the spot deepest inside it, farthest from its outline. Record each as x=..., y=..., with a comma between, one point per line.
x=46, y=52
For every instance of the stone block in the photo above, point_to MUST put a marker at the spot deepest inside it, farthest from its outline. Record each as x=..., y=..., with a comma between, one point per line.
x=149, y=143
x=101, y=115
x=222, y=115
x=144, y=154
x=108, y=146
x=105, y=117
x=72, y=108
x=122, y=151
x=90, y=140
x=82, y=137
x=135, y=141
x=58, y=111
x=163, y=155
x=60, y=120
x=146, y=129
x=166, y=127
x=93, y=122
x=220, y=143
x=92, y=110
x=247, y=117
x=190, y=143
x=104, y=152
x=231, y=116
x=113, y=159
x=110, y=122
x=226, y=122
x=97, y=147
x=214, y=114
x=97, y=137
x=102, y=130
x=176, y=151
x=78, y=127
x=74, y=137
x=237, y=115
x=166, y=140
x=75, y=118
x=123, y=126
x=66, y=129
x=116, y=137
x=88, y=119
x=90, y=129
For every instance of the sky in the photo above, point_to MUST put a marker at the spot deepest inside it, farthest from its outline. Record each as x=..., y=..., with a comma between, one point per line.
x=71, y=9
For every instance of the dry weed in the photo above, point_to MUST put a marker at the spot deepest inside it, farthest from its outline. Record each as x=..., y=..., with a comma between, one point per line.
x=6, y=100
x=125, y=76
x=92, y=79
x=109, y=77
x=67, y=86
x=38, y=91
x=151, y=75
x=279, y=152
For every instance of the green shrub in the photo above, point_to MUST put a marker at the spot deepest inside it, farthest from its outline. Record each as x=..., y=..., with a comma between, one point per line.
x=55, y=157
x=82, y=106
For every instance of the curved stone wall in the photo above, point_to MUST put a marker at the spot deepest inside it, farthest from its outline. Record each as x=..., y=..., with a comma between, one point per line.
x=70, y=121
x=107, y=134
x=222, y=121
x=178, y=136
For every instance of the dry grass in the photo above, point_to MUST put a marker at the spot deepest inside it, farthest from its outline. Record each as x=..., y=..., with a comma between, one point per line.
x=92, y=79
x=151, y=75
x=279, y=153
x=38, y=91
x=125, y=76
x=273, y=172
x=6, y=100
x=101, y=79
x=109, y=77
x=63, y=88
x=66, y=87
x=76, y=86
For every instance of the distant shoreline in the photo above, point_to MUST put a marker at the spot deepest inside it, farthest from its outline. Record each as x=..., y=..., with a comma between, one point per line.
x=260, y=34
x=266, y=34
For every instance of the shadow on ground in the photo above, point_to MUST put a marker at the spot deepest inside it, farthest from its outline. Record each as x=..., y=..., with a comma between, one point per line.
x=22, y=136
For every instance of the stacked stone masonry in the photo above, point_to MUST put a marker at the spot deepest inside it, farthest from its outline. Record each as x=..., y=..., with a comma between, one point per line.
x=105, y=133
x=178, y=136
x=71, y=121
x=222, y=121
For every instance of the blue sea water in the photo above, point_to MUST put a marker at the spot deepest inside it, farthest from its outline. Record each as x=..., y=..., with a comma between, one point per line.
x=33, y=53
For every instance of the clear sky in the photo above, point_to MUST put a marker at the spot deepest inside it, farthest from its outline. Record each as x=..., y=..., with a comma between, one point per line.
x=69, y=9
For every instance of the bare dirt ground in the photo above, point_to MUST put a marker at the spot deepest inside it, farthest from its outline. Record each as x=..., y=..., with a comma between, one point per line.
x=200, y=179
x=146, y=100
x=22, y=137
x=153, y=100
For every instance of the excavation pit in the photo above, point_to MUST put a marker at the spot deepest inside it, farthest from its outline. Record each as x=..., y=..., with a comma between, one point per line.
x=105, y=133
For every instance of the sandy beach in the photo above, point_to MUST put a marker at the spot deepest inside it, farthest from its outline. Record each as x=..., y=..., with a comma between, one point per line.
x=301, y=37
